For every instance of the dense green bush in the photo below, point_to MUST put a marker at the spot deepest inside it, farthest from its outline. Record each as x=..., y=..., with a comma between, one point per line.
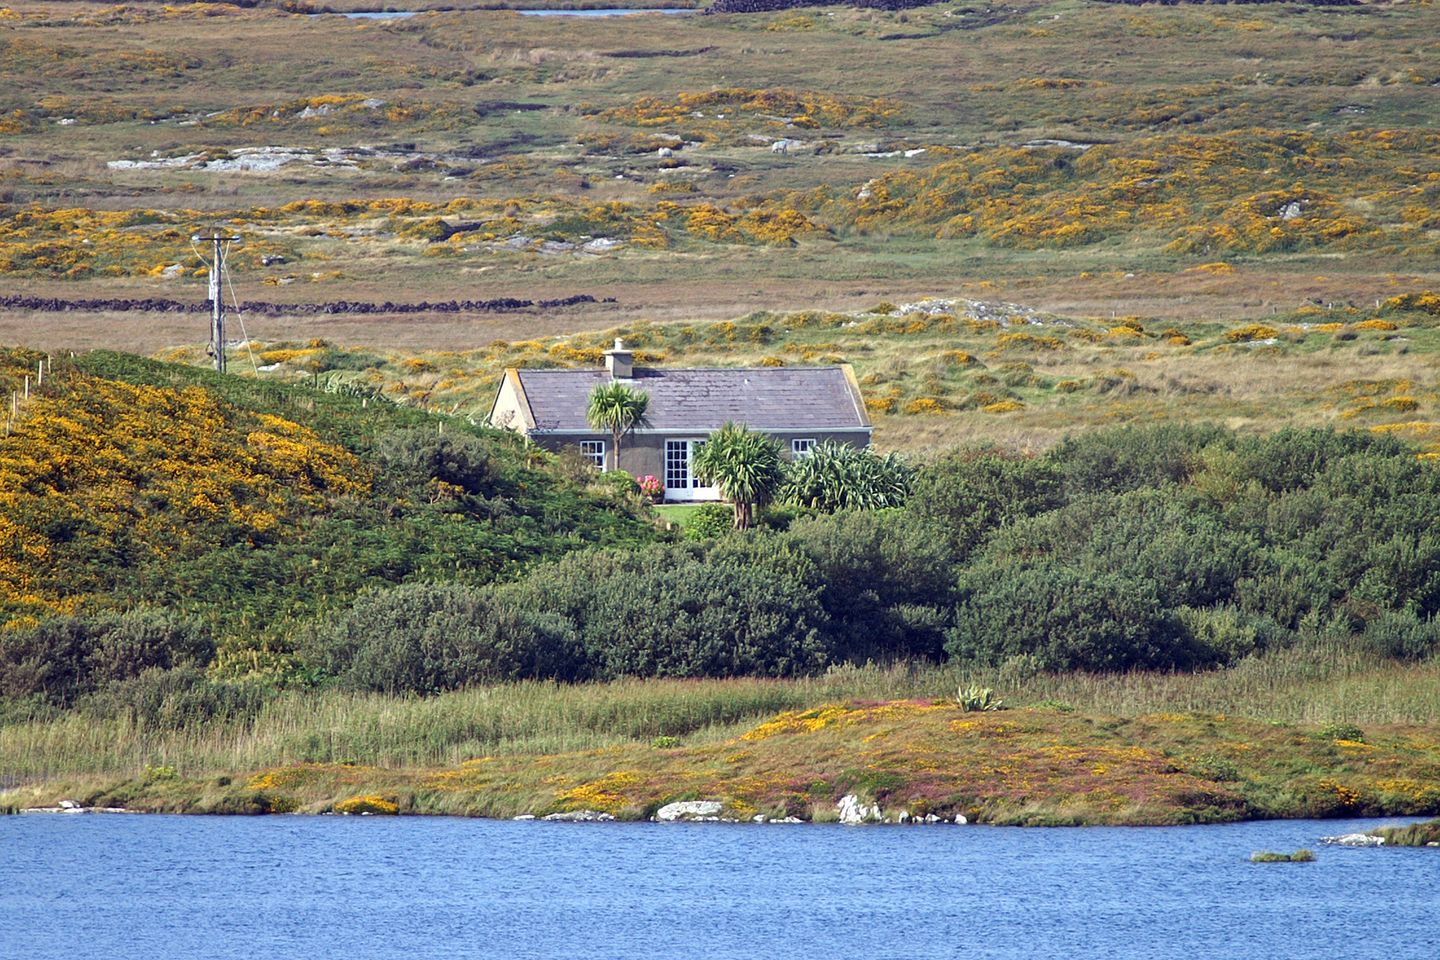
x=1403, y=635
x=1225, y=633
x=1067, y=618
x=65, y=658
x=427, y=637
x=1167, y=547
x=445, y=465
x=887, y=586
x=738, y=605
x=1116, y=461
x=708, y=521
x=965, y=497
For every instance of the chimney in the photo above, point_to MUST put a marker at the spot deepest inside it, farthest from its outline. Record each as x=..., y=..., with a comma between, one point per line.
x=620, y=361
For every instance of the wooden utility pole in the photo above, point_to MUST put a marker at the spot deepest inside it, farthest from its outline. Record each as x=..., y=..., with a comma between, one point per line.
x=217, y=302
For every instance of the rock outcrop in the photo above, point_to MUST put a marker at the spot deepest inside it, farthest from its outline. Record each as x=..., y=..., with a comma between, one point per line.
x=853, y=811
x=689, y=810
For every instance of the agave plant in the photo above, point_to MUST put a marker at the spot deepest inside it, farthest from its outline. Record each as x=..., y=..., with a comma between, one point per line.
x=978, y=700
x=837, y=476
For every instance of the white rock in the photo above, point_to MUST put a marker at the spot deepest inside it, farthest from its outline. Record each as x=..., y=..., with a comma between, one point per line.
x=524, y=816
x=758, y=818
x=786, y=820
x=174, y=270
x=665, y=152
x=688, y=810
x=69, y=805
x=852, y=811
x=904, y=817
x=931, y=818
x=580, y=816
x=960, y=819
x=1354, y=840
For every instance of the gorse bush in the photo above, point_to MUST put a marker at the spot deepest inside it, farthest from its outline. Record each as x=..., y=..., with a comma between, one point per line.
x=256, y=506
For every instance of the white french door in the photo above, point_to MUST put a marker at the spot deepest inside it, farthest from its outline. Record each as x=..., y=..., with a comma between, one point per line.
x=680, y=482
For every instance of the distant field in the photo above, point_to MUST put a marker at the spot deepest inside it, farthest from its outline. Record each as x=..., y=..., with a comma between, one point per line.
x=936, y=373
x=1081, y=158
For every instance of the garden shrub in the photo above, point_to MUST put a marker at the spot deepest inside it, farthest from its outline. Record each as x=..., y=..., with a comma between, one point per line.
x=836, y=476
x=709, y=521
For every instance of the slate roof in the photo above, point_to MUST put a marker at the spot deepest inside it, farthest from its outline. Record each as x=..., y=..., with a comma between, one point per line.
x=702, y=400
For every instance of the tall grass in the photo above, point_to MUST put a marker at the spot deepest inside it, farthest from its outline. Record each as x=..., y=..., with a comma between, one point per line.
x=1305, y=685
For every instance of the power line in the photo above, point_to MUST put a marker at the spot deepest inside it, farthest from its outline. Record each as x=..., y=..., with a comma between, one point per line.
x=217, y=302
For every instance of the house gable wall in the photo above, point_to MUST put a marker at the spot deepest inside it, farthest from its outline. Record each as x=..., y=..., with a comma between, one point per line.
x=511, y=411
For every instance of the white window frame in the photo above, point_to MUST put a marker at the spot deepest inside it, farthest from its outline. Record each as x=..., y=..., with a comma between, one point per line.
x=800, y=447
x=594, y=451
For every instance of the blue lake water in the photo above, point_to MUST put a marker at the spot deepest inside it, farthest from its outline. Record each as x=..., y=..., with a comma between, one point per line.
x=282, y=887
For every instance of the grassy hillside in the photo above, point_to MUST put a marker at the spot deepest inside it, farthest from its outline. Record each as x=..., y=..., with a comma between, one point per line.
x=255, y=506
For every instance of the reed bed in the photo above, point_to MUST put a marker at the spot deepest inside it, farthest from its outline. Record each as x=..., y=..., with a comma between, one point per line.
x=1310, y=685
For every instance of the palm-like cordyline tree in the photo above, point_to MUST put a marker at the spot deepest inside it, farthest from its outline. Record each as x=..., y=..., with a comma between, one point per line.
x=744, y=464
x=617, y=408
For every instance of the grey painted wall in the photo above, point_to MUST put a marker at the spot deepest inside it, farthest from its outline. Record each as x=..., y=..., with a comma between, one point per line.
x=644, y=453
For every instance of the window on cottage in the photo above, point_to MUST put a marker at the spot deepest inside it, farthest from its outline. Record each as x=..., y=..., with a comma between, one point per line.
x=801, y=448
x=594, y=451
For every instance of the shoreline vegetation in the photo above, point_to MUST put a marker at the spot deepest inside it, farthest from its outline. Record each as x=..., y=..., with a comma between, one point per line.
x=1075, y=750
